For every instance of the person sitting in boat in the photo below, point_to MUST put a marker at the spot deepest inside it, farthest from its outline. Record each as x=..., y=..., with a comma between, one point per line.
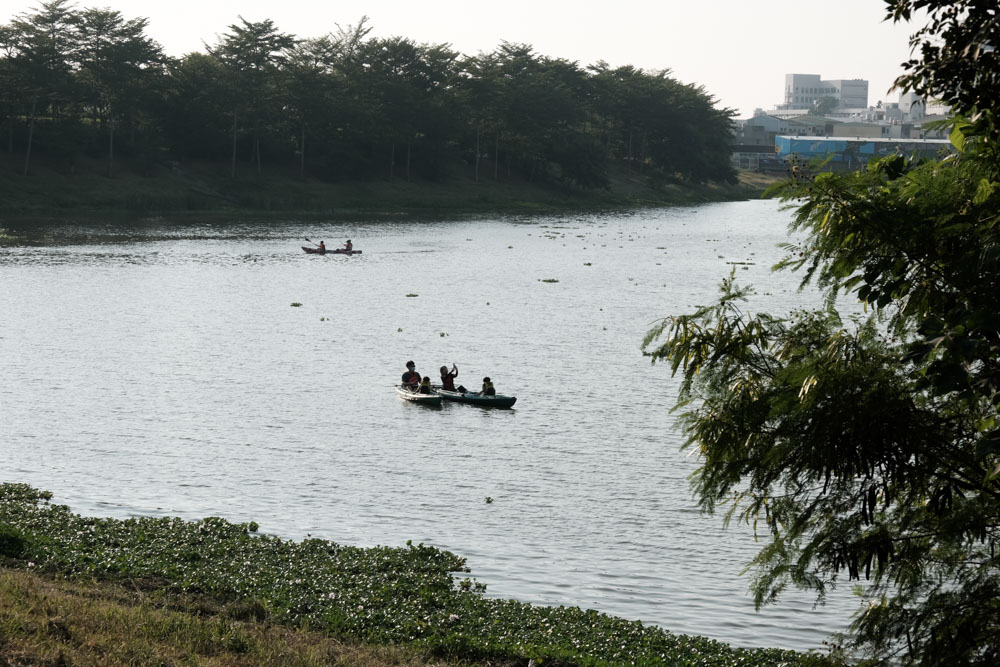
x=488, y=389
x=322, y=248
x=448, y=379
x=348, y=246
x=411, y=378
x=425, y=385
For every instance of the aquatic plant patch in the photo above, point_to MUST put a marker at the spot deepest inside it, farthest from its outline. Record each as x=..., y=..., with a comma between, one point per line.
x=385, y=595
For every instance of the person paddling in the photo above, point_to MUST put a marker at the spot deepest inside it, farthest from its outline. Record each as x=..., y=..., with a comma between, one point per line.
x=348, y=247
x=322, y=247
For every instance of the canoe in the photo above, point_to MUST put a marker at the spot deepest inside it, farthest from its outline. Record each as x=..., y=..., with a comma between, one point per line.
x=474, y=398
x=415, y=397
x=328, y=251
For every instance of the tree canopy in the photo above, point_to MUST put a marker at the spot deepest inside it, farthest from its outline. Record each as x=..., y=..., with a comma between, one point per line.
x=345, y=105
x=868, y=447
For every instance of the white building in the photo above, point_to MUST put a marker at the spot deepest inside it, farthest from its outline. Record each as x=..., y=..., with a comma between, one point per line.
x=803, y=90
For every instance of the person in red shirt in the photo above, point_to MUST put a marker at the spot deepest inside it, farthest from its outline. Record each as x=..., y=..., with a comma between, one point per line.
x=411, y=378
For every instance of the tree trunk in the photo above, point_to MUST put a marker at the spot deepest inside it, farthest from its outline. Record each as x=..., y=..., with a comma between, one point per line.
x=629, y=162
x=111, y=147
x=477, y=154
x=496, y=158
x=408, y=146
x=31, y=135
x=302, y=153
x=233, y=175
x=256, y=152
x=392, y=161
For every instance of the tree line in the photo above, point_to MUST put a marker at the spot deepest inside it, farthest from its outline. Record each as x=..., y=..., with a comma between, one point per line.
x=345, y=105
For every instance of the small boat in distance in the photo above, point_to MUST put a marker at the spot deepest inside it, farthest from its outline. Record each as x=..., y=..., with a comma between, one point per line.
x=416, y=397
x=475, y=398
x=329, y=251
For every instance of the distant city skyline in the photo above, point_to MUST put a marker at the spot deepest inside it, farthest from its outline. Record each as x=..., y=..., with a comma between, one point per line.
x=740, y=52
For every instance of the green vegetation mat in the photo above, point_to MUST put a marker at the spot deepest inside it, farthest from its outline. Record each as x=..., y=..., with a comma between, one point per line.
x=377, y=595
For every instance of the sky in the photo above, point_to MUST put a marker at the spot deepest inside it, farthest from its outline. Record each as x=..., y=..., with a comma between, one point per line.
x=739, y=50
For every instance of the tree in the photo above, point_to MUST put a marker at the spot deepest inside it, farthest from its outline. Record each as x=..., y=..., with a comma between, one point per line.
x=253, y=53
x=44, y=46
x=869, y=446
x=824, y=105
x=117, y=62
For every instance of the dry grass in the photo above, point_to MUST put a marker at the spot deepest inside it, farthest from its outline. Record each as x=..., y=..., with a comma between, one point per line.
x=49, y=621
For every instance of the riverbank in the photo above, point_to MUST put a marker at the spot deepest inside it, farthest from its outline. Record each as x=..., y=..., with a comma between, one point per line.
x=204, y=580
x=55, y=188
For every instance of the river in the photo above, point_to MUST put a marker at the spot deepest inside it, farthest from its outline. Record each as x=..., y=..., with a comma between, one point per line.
x=162, y=368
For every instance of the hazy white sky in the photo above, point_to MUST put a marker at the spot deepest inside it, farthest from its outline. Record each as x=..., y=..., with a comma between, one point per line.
x=739, y=50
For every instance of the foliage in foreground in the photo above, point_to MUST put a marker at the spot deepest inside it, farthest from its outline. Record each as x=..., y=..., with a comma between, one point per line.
x=870, y=446
x=379, y=595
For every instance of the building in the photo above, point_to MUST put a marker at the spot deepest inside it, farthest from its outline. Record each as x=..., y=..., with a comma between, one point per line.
x=802, y=91
x=854, y=152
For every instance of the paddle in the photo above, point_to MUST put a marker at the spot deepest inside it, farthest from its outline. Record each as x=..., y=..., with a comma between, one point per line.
x=310, y=241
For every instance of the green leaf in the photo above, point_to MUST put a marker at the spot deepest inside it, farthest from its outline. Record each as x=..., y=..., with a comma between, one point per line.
x=983, y=192
x=957, y=136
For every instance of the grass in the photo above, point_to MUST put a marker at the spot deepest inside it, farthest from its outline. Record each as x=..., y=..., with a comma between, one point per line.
x=376, y=597
x=47, y=620
x=55, y=188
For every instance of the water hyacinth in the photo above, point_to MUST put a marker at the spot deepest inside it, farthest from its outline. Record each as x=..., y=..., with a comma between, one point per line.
x=386, y=595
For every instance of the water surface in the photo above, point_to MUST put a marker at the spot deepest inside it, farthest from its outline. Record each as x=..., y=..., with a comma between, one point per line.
x=161, y=369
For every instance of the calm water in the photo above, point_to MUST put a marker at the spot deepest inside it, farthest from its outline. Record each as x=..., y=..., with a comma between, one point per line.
x=161, y=370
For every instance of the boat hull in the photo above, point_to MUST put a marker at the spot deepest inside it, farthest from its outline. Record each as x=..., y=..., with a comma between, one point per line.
x=335, y=251
x=498, y=401
x=415, y=397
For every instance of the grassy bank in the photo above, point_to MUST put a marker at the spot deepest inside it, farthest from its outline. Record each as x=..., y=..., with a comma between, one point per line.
x=51, y=620
x=55, y=187
x=377, y=597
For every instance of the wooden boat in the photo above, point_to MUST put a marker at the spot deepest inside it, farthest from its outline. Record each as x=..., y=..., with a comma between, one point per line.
x=475, y=398
x=416, y=397
x=328, y=251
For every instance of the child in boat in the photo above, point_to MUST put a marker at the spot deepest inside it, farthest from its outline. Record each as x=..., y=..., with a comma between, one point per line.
x=425, y=385
x=488, y=389
x=448, y=379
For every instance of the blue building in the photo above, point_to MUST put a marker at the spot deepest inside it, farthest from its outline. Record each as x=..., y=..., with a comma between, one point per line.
x=851, y=153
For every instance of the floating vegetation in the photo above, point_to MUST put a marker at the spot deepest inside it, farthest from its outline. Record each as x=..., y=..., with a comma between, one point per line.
x=488, y=500
x=400, y=329
x=747, y=263
x=296, y=304
x=587, y=264
x=411, y=294
x=322, y=319
x=382, y=595
x=548, y=280
x=443, y=334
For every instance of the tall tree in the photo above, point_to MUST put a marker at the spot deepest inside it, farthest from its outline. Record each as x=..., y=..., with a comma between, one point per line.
x=117, y=63
x=253, y=52
x=45, y=46
x=869, y=447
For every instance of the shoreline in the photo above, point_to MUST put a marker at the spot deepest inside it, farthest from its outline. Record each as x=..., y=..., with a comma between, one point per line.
x=408, y=597
x=82, y=191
